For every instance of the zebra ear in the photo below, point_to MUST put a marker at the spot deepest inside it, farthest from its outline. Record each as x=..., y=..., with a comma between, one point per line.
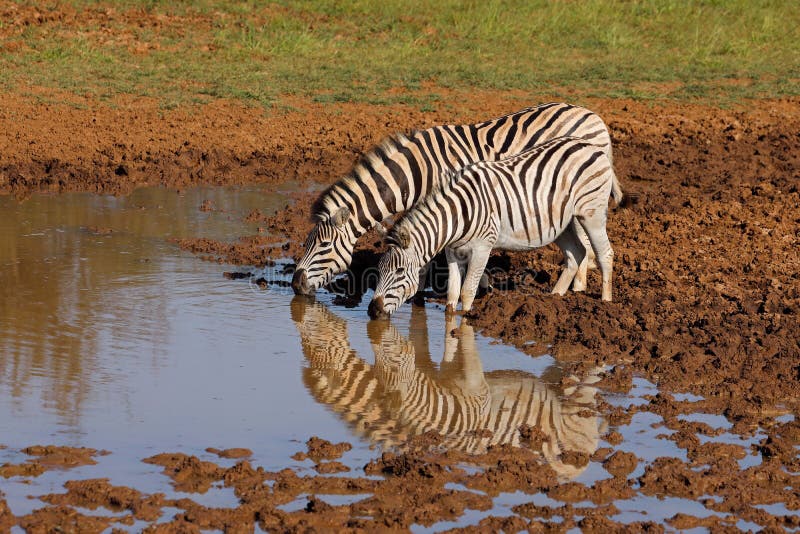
x=380, y=229
x=403, y=238
x=340, y=216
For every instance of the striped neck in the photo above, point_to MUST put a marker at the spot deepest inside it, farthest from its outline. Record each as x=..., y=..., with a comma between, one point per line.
x=448, y=215
x=389, y=179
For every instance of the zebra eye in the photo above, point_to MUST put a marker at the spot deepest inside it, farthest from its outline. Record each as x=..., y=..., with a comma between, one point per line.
x=400, y=271
x=325, y=244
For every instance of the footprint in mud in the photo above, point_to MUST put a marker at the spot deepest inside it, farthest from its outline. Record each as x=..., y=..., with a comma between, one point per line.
x=405, y=394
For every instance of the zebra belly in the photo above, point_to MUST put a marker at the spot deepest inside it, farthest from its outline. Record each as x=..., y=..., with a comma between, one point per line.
x=518, y=239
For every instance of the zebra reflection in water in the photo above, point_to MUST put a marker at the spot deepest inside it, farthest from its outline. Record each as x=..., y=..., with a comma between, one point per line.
x=405, y=394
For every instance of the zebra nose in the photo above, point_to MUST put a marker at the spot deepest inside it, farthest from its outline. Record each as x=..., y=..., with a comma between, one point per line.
x=376, y=309
x=300, y=283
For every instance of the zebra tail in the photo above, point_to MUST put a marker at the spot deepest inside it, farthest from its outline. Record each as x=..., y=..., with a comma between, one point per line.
x=616, y=191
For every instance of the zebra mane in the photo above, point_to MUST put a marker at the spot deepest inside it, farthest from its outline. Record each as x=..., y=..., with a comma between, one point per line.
x=326, y=203
x=412, y=219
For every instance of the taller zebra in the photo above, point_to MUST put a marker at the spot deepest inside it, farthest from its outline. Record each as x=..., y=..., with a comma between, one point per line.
x=395, y=175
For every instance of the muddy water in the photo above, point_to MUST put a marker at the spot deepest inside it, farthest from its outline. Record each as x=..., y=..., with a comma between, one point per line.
x=113, y=338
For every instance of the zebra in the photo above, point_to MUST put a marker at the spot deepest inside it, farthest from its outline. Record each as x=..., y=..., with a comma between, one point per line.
x=404, y=394
x=519, y=203
x=401, y=170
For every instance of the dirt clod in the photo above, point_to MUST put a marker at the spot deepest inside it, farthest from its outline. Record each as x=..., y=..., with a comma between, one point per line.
x=320, y=449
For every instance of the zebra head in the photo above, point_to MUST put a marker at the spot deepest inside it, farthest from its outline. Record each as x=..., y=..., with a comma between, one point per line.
x=329, y=250
x=398, y=275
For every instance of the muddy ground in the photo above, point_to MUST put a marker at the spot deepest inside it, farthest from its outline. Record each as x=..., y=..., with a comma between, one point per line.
x=707, y=297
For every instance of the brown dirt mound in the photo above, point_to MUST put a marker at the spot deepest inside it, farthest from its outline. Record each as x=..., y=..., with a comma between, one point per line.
x=50, y=457
x=7, y=519
x=63, y=519
x=97, y=493
x=63, y=457
x=188, y=473
x=320, y=449
x=236, y=452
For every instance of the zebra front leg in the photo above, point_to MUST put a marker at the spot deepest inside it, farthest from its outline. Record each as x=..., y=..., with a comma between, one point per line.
x=477, y=264
x=419, y=298
x=574, y=256
x=453, y=280
x=594, y=222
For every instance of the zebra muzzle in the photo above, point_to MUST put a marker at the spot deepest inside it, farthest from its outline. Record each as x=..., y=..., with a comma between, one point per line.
x=300, y=283
x=376, y=309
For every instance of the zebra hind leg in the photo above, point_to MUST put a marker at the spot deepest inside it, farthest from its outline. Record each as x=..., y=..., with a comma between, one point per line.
x=594, y=222
x=590, y=257
x=579, y=282
x=575, y=256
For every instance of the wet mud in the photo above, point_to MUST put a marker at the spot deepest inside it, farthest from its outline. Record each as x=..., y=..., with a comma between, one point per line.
x=706, y=303
x=44, y=458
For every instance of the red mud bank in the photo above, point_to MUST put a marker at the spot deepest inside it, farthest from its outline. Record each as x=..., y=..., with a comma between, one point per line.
x=77, y=144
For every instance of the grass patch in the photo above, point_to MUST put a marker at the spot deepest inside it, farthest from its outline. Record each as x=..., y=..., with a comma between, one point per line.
x=360, y=50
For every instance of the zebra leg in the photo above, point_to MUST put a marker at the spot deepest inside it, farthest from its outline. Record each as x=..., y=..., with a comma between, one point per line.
x=453, y=280
x=574, y=255
x=579, y=282
x=477, y=264
x=594, y=222
x=419, y=299
x=591, y=259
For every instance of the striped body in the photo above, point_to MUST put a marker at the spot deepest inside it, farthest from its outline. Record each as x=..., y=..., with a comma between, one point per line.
x=519, y=203
x=402, y=170
x=401, y=396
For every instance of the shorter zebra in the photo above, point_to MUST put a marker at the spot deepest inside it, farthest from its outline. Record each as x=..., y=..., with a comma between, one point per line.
x=518, y=203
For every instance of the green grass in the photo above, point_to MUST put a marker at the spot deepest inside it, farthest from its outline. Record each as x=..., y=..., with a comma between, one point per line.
x=189, y=52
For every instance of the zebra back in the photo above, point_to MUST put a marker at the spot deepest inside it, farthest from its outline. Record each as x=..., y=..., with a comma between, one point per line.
x=532, y=196
x=401, y=170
